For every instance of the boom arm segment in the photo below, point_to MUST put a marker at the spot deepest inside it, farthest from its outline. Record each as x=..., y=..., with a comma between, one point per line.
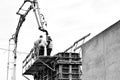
x=39, y=17
x=21, y=20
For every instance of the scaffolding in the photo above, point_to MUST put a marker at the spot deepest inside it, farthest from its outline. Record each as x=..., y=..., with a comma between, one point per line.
x=62, y=66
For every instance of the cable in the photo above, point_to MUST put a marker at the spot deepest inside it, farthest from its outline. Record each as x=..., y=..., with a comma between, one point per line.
x=12, y=50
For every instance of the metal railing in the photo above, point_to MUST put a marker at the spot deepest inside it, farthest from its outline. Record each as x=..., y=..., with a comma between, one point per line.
x=28, y=61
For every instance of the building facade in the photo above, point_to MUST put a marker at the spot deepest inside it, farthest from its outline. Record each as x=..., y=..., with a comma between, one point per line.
x=101, y=55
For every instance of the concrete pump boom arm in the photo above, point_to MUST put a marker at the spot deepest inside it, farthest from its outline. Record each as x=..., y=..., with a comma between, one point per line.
x=39, y=18
x=40, y=21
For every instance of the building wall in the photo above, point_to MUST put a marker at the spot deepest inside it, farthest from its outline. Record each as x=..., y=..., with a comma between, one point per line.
x=101, y=55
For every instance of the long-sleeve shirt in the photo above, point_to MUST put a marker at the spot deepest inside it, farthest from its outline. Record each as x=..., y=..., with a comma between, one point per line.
x=40, y=42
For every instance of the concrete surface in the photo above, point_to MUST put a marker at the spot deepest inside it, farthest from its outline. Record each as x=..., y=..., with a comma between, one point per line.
x=101, y=55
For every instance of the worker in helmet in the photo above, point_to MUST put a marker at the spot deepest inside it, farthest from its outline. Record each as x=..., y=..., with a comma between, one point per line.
x=40, y=45
x=49, y=45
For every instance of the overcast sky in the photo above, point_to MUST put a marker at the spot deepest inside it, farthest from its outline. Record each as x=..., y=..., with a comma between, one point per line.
x=68, y=21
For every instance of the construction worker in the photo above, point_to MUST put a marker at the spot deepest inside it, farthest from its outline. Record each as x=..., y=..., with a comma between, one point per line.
x=49, y=45
x=49, y=41
x=40, y=45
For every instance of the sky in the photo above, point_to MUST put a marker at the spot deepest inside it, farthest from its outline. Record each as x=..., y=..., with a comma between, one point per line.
x=67, y=21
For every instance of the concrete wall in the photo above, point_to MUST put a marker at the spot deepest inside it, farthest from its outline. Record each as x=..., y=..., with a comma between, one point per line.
x=101, y=55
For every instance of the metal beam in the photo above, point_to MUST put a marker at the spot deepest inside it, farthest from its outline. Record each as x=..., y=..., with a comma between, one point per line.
x=77, y=42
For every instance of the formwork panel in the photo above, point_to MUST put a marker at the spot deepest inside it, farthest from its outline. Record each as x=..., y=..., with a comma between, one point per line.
x=70, y=67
